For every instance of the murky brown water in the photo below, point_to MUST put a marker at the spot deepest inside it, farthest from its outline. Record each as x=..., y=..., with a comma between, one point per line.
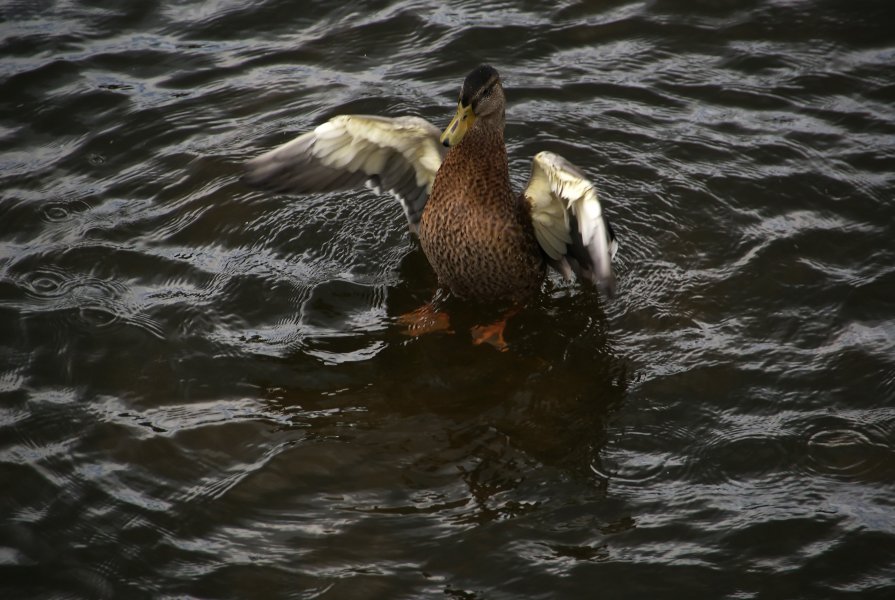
x=204, y=392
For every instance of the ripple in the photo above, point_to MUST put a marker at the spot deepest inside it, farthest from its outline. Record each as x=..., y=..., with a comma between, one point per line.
x=845, y=449
x=342, y=321
x=84, y=301
x=61, y=211
x=849, y=453
x=744, y=458
x=98, y=316
x=647, y=454
x=46, y=284
x=56, y=213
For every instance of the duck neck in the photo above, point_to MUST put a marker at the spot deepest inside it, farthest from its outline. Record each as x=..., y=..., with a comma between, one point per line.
x=482, y=156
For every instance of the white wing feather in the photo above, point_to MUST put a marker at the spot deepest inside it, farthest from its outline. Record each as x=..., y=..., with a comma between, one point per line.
x=400, y=155
x=568, y=220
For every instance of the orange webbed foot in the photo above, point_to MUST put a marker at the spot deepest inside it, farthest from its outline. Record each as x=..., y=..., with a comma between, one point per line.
x=493, y=333
x=425, y=319
x=490, y=334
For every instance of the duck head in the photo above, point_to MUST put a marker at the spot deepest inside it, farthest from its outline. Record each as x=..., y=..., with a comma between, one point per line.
x=481, y=99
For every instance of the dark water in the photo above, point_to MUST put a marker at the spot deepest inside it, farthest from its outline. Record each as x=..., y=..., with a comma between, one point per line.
x=204, y=390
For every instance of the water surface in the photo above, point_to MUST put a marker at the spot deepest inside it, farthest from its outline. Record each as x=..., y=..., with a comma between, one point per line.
x=205, y=390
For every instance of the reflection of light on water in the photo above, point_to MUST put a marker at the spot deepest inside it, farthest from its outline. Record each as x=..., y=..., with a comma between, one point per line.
x=205, y=392
x=847, y=452
x=642, y=454
x=86, y=301
x=338, y=357
x=839, y=450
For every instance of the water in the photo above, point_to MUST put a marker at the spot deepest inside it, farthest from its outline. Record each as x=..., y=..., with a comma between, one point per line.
x=205, y=390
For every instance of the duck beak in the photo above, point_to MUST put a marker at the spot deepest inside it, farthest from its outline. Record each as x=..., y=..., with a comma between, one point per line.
x=459, y=125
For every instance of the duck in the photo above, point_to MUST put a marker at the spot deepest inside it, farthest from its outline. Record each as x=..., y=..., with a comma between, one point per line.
x=484, y=242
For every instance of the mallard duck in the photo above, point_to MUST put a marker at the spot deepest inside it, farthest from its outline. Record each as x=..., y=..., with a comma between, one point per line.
x=484, y=242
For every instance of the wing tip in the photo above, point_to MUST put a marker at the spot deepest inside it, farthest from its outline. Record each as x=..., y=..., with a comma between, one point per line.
x=258, y=173
x=607, y=285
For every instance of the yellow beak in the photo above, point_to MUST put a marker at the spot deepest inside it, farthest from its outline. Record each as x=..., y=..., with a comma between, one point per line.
x=459, y=125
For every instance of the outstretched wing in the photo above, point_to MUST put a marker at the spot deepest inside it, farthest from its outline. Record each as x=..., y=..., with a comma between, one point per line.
x=400, y=155
x=569, y=222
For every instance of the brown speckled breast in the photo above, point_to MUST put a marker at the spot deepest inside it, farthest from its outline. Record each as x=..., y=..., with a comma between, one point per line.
x=476, y=234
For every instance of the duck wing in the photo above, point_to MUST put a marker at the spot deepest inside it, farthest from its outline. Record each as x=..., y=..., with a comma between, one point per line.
x=399, y=155
x=569, y=222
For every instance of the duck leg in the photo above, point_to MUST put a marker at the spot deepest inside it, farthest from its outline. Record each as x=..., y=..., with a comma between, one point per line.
x=426, y=319
x=493, y=333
